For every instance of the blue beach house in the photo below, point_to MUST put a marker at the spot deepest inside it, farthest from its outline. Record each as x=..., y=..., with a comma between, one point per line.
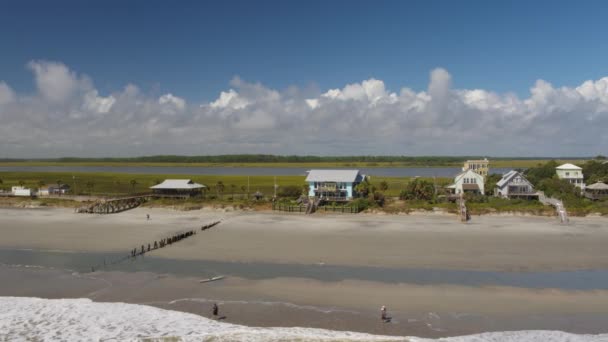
x=333, y=185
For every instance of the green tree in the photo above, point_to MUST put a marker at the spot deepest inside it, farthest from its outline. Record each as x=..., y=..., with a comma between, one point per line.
x=543, y=171
x=41, y=183
x=418, y=189
x=559, y=188
x=490, y=183
x=365, y=188
x=21, y=182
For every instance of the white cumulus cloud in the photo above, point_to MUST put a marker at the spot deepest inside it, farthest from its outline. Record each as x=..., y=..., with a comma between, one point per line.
x=69, y=116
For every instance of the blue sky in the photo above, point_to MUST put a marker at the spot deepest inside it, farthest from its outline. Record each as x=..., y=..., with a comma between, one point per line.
x=124, y=78
x=194, y=48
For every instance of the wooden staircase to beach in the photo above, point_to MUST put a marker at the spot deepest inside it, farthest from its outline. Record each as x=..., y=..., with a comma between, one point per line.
x=560, y=209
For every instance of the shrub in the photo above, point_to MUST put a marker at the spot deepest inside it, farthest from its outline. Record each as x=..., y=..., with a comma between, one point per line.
x=418, y=189
x=290, y=191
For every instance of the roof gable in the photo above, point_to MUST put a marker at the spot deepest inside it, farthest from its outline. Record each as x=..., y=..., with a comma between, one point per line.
x=509, y=176
x=467, y=173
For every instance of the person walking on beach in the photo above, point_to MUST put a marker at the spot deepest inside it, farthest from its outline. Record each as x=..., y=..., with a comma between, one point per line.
x=216, y=309
x=148, y=217
x=383, y=315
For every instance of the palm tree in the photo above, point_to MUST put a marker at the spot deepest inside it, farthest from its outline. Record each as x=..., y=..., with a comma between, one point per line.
x=232, y=187
x=219, y=187
x=133, y=184
x=90, y=185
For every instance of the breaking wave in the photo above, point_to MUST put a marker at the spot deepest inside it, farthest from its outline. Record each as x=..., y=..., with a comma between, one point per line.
x=23, y=318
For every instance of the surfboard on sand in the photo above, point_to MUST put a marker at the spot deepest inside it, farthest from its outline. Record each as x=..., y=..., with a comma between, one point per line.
x=211, y=279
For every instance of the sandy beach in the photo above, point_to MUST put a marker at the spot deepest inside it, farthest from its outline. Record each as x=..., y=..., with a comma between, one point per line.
x=504, y=243
x=489, y=243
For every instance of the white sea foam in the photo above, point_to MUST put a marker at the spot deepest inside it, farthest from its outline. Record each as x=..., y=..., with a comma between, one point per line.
x=82, y=319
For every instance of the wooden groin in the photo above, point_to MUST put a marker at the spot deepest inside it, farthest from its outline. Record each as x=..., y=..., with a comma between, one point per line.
x=162, y=243
x=113, y=206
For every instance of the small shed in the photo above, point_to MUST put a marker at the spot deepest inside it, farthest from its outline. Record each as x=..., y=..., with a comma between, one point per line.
x=597, y=191
x=178, y=188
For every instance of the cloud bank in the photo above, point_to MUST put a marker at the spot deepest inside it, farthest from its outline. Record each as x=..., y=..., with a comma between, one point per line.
x=67, y=116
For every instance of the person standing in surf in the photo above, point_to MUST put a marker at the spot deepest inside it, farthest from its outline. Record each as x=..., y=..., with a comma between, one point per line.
x=216, y=309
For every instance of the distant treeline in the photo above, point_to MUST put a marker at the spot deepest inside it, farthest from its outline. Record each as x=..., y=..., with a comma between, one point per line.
x=266, y=158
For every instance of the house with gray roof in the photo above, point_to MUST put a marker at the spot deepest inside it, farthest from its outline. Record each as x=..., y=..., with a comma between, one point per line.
x=597, y=191
x=178, y=187
x=513, y=184
x=333, y=185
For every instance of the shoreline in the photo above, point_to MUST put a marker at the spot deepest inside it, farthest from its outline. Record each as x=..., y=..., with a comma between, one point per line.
x=425, y=311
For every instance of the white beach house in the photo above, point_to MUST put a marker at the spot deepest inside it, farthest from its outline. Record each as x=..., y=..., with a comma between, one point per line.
x=513, y=184
x=178, y=187
x=333, y=185
x=572, y=174
x=467, y=181
x=21, y=191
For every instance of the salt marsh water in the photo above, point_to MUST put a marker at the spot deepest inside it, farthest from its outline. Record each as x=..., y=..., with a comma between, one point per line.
x=82, y=262
x=247, y=171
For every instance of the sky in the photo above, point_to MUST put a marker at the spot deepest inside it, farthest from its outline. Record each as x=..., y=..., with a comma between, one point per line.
x=131, y=78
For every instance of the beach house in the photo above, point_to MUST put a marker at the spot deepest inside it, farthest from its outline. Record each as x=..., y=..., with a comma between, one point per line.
x=513, y=184
x=21, y=191
x=57, y=189
x=597, y=191
x=480, y=166
x=467, y=181
x=333, y=185
x=178, y=188
x=572, y=174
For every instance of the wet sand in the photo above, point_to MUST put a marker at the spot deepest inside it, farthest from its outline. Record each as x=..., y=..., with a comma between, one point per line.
x=430, y=311
x=417, y=241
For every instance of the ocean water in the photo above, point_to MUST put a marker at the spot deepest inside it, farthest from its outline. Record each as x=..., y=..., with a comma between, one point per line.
x=26, y=319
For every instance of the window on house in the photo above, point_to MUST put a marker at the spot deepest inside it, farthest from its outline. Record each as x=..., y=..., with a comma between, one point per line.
x=567, y=173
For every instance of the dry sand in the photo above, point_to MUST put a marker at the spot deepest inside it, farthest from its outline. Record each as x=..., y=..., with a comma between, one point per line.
x=418, y=241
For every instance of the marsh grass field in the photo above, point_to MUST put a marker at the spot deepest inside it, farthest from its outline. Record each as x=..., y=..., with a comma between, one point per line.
x=422, y=162
x=102, y=183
